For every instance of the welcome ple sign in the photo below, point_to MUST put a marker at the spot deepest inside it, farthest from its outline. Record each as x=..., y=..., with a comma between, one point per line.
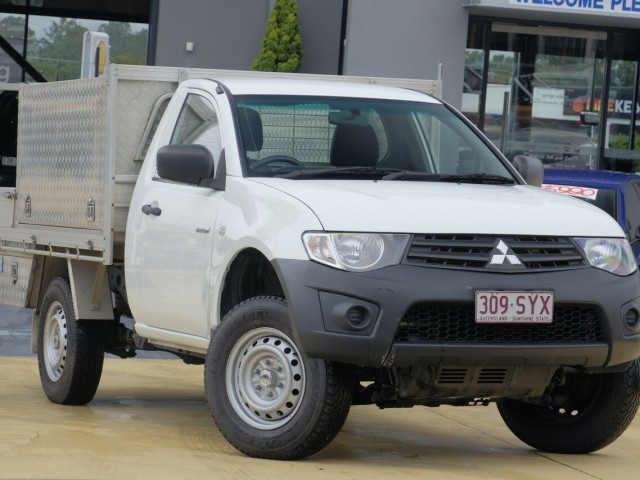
x=623, y=7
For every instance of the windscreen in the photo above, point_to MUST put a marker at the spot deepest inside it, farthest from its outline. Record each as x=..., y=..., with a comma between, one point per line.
x=302, y=135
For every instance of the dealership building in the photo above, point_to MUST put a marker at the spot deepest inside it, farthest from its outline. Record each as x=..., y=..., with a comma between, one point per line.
x=557, y=79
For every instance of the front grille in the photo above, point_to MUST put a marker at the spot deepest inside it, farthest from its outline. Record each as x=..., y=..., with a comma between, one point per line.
x=455, y=323
x=476, y=252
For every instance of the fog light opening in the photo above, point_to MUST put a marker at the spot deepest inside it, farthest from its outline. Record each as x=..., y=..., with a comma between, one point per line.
x=632, y=318
x=358, y=317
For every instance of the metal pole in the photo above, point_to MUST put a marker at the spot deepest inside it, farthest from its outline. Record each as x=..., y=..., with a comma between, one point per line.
x=486, y=48
x=505, y=123
x=634, y=109
x=604, y=106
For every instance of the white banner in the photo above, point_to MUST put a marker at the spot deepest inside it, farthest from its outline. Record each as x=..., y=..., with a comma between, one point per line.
x=548, y=103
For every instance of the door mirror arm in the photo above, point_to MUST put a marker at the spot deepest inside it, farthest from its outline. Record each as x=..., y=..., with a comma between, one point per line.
x=219, y=181
x=530, y=169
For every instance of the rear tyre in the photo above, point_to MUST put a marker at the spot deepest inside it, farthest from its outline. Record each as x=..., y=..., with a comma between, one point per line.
x=70, y=351
x=589, y=412
x=267, y=398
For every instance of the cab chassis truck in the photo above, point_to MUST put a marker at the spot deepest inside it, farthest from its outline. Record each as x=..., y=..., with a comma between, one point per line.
x=316, y=242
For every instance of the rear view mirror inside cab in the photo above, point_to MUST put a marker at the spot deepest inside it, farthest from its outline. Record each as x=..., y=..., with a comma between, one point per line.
x=348, y=117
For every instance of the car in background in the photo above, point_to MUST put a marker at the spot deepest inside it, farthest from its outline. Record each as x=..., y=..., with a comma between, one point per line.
x=616, y=193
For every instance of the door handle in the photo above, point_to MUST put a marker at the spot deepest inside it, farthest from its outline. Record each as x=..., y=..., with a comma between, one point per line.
x=149, y=210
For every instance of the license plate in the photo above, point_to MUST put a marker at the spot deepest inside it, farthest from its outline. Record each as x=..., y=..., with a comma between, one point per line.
x=496, y=306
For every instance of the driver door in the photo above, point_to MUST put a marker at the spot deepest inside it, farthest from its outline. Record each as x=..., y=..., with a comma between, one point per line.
x=175, y=233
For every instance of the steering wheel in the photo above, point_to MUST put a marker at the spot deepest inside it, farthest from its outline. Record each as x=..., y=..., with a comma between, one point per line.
x=274, y=159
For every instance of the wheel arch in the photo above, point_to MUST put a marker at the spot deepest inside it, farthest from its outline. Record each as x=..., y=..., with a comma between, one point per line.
x=88, y=282
x=250, y=274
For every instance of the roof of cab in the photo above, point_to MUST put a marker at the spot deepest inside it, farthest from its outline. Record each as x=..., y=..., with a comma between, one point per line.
x=245, y=85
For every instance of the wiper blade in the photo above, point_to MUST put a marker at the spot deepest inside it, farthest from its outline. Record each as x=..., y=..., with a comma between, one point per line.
x=411, y=175
x=466, y=178
x=478, y=178
x=327, y=172
x=397, y=174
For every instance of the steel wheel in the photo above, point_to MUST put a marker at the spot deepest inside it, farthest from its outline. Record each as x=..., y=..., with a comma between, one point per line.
x=267, y=398
x=70, y=351
x=265, y=378
x=55, y=341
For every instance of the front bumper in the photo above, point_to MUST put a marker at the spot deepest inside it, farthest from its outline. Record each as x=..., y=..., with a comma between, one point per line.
x=358, y=318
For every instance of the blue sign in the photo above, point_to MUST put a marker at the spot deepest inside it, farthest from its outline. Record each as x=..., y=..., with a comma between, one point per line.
x=608, y=7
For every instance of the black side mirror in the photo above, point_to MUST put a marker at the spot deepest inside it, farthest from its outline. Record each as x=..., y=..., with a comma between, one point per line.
x=185, y=163
x=529, y=168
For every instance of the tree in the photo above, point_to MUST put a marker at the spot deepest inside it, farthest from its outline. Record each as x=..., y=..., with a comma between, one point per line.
x=281, y=47
x=57, y=54
x=125, y=45
x=12, y=28
x=60, y=50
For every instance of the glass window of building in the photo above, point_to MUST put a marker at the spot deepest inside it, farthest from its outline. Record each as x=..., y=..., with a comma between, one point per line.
x=55, y=49
x=551, y=76
x=12, y=27
x=47, y=35
x=536, y=83
x=472, y=94
x=622, y=141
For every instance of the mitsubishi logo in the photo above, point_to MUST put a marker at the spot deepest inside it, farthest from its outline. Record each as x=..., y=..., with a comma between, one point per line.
x=502, y=255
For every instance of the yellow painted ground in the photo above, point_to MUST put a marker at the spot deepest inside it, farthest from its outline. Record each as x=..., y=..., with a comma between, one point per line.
x=149, y=420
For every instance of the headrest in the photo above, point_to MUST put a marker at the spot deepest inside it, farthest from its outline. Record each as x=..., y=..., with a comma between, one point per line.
x=250, y=129
x=354, y=146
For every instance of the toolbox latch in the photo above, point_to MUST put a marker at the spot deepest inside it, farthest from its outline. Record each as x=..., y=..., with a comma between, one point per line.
x=91, y=210
x=27, y=205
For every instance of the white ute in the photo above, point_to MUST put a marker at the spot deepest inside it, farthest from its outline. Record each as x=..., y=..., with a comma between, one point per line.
x=316, y=242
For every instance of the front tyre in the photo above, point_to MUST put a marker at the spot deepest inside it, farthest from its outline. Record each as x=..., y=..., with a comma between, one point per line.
x=267, y=398
x=589, y=412
x=70, y=351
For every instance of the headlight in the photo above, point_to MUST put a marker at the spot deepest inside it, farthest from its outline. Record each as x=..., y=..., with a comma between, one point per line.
x=356, y=252
x=611, y=254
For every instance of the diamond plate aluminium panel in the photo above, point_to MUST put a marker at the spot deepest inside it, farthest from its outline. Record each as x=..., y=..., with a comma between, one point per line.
x=135, y=101
x=14, y=290
x=75, y=139
x=62, y=149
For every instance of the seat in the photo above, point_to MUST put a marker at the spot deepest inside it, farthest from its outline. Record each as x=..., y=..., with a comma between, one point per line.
x=250, y=129
x=354, y=146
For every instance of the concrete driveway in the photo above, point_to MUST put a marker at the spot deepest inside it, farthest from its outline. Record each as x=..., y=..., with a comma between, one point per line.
x=15, y=331
x=149, y=420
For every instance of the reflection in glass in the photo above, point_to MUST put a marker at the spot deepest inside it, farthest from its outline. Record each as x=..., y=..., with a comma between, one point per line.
x=12, y=28
x=551, y=75
x=56, y=47
x=621, y=140
x=473, y=72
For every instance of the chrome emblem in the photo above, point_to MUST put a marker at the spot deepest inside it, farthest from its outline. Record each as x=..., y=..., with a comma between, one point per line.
x=502, y=255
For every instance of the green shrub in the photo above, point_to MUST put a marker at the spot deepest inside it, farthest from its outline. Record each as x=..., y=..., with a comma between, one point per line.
x=621, y=141
x=281, y=47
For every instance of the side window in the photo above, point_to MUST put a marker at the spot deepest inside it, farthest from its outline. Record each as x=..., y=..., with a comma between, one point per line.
x=198, y=124
x=632, y=211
